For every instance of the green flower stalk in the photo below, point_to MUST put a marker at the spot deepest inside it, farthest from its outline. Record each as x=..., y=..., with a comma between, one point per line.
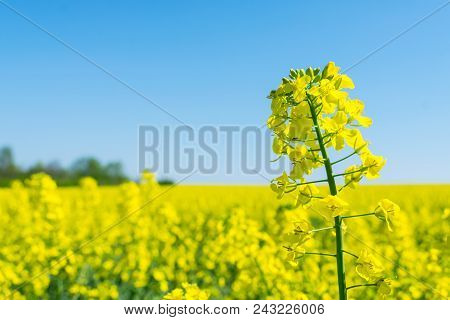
x=312, y=112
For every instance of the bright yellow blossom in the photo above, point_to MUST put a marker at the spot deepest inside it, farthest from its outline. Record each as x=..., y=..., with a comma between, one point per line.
x=387, y=211
x=373, y=164
x=280, y=184
x=187, y=292
x=330, y=207
x=368, y=267
x=383, y=288
x=353, y=175
x=330, y=70
x=306, y=194
x=299, y=87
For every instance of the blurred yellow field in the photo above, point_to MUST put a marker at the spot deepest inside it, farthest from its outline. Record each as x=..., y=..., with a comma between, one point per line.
x=143, y=240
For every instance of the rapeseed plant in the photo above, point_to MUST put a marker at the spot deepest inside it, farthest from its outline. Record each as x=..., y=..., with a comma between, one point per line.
x=312, y=114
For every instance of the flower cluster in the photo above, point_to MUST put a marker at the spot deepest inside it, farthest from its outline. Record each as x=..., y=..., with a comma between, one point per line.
x=129, y=242
x=312, y=103
x=311, y=113
x=187, y=292
x=225, y=239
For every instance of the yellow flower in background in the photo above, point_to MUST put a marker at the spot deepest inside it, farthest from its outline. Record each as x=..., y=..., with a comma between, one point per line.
x=88, y=183
x=176, y=294
x=194, y=293
x=148, y=178
x=446, y=213
x=195, y=234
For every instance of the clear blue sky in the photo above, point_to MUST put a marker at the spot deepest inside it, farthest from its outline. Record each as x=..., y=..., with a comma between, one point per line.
x=214, y=63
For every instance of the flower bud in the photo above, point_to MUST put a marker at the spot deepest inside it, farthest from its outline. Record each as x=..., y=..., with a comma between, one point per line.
x=293, y=74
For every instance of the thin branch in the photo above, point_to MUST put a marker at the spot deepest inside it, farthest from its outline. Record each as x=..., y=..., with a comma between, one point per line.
x=354, y=255
x=320, y=254
x=322, y=229
x=345, y=185
x=315, y=159
x=358, y=215
x=285, y=141
x=362, y=285
x=279, y=124
x=291, y=190
x=310, y=196
x=279, y=157
x=351, y=172
x=320, y=110
x=317, y=181
x=344, y=158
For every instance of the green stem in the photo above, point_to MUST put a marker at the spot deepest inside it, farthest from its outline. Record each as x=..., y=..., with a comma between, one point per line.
x=340, y=258
x=337, y=219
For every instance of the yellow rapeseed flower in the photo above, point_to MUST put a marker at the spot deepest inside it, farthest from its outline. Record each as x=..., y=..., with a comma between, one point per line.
x=387, y=211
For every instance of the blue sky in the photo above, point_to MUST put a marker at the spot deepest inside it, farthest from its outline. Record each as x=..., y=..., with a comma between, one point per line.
x=214, y=63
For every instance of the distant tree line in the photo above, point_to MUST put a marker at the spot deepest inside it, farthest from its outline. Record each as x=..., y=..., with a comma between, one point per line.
x=106, y=174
